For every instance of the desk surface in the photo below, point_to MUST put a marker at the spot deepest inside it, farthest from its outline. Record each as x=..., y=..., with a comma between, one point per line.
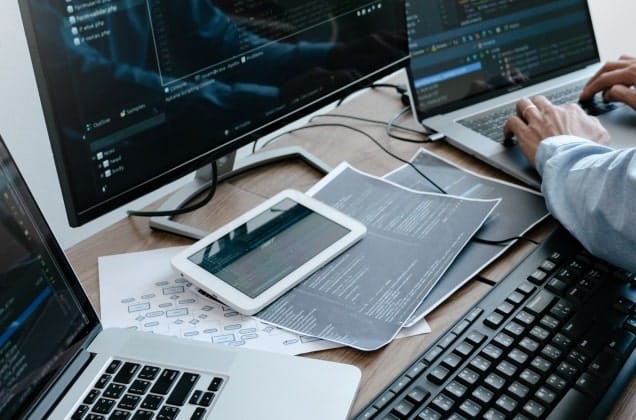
x=333, y=145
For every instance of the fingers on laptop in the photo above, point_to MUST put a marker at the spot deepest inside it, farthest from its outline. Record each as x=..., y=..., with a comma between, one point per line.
x=621, y=74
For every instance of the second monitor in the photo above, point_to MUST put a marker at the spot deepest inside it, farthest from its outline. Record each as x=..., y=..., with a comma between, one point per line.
x=137, y=93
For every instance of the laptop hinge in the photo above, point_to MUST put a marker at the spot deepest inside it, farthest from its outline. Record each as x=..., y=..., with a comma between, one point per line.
x=69, y=373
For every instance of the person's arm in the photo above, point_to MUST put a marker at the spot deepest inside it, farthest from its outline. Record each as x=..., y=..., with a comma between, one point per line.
x=591, y=190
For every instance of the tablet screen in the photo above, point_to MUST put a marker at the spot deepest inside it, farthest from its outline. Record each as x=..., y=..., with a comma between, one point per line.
x=259, y=253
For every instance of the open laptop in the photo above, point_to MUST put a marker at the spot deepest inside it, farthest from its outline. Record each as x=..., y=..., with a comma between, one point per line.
x=472, y=61
x=58, y=363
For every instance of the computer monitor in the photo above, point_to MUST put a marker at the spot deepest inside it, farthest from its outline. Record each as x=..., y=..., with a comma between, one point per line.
x=137, y=93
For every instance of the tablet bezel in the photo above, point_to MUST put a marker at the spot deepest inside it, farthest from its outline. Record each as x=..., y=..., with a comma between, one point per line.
x=243, y=303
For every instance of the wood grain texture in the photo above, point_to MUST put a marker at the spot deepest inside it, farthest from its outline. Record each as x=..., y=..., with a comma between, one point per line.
x=333, y=145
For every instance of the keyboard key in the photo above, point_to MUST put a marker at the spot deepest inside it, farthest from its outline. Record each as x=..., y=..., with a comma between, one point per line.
x=534, y=409
x=199, y=413
x=562, y=309
x=143, y=415
x=149, y=372
x=518, y=390
x=129, y=402
x=80, y=412
x=438, y=375
x=493, y=414
x=470, y=408
x=468, y=376
x=215, y=385
x=538, y=277
x=506, y=403
x=530, y=377
x=139, y=387
x=480, y=364
x=495, y=382
x=514, y=329
x=102, y=381
x=483, y=395
x=126, y=373
x=168, y=413
x=206, y=399
x=165, y=381
x=456, y=390
x=113, y=366
x=476, y=338
x=545, y=396
x=452, y=360
x=504, y=340
x=518, y=357
x=506, y=369
x=91, y=396
x=540, y=303
x=525, y=318
x=447, y=340
x=494, y=320
x=622, y=343
x=432, y=354
x=442, y=403
x=464, y=349
x=529, y=345
x=429, y=414
x=151, y=402
x=120, y=415
x=114, y=391
x=557, y=286
x=417, y=395
x=557, y=383
x=402, y=409
x=103, y=406
x=183, y=387
x=383, y=399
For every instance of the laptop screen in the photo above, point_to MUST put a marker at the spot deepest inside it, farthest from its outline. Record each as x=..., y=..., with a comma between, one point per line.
x=463, y=52
x=44, y=315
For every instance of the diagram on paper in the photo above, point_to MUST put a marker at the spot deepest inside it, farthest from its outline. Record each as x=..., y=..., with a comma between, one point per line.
x=141, y=291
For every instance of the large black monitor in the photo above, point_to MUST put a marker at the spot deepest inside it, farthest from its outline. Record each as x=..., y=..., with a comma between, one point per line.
x=137, y=93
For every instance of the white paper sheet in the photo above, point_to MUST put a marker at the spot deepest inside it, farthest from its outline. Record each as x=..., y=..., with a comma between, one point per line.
x=140, y=290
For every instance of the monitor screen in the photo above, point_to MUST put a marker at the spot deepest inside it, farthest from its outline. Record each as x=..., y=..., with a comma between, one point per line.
x=137, y=93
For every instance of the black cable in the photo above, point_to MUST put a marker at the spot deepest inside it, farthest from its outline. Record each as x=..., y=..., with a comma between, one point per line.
x=391, y=124
x=485, y=281
x=183, y=210
x=400, y=89
x=407, y=162
x=364, y=133
x=369, y=120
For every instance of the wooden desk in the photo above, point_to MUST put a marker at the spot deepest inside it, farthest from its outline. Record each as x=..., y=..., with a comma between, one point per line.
x=333, y=145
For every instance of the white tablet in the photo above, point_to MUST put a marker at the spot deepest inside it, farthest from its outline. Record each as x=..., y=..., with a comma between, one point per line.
x=257, y=257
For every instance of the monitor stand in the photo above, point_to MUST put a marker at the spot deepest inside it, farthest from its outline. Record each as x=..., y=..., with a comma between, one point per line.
x=228, y=167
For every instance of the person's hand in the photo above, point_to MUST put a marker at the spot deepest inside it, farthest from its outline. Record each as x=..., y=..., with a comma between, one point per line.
x=615, y=80
x=538, y=119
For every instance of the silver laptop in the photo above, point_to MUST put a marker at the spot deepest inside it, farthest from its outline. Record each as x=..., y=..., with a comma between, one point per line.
x=471, y=62
x=58, y=363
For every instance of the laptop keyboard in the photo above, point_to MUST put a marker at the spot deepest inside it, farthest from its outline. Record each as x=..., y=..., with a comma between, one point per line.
x=129, y=390
x=490, y=123
x=554, y=339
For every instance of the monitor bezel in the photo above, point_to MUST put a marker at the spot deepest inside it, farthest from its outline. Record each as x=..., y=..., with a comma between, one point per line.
x=78, y=217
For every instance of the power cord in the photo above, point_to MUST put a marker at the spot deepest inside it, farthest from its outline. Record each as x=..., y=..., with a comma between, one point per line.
x=183, y=210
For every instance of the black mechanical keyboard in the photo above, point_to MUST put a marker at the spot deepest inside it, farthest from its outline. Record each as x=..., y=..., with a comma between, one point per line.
x=490, y=123
x=554, y=339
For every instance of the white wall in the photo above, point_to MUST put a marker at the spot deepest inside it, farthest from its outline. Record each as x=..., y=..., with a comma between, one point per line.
x=22, y=123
